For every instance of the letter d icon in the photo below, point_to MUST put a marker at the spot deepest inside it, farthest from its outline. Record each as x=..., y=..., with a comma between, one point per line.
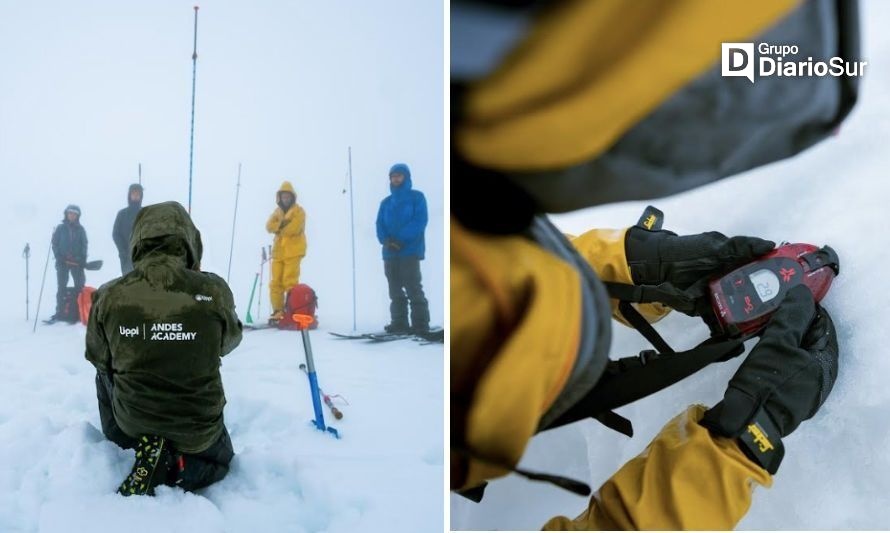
x=737, y=59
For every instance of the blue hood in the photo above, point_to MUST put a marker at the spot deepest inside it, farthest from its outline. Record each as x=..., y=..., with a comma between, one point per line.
x=403, y=169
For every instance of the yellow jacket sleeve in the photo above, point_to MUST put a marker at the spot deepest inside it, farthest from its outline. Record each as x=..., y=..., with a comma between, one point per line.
x=296, y=218
x=604, y=251
x=685, y=479
x=511, y=353
x=545, y=108
x=272, y=225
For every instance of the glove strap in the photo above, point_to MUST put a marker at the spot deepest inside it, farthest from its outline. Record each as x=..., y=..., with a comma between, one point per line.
x=651, y=219
x=762, y=442
x=632, y=378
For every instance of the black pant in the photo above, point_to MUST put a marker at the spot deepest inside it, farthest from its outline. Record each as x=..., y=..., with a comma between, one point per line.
x=62, y=270
x=200, y=469
x=403, y=275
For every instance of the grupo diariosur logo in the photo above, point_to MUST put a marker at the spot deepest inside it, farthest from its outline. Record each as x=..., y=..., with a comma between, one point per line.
x=782, y=60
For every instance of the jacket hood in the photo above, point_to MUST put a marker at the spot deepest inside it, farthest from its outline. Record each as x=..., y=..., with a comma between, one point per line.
x=285, y=187
x=166, y=229
x=73, y=209
x=402, y=169
x=135, y=187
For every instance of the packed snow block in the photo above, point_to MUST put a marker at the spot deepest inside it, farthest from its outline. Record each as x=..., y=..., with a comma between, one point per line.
x=300, y=300
x=85, y=303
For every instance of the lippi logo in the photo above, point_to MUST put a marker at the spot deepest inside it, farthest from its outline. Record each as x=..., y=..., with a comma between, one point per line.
x=129, y=332
x=202, y=298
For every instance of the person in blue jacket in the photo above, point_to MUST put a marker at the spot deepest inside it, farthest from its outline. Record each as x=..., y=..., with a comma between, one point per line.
x=401, y=222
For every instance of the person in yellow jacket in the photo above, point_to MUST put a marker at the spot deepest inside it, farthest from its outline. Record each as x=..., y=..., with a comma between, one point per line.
x=560, y=105
x=288, y=224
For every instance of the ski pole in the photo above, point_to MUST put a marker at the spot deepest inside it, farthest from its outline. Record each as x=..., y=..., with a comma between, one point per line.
x=39, y=298
x=303, y=322
x=249, y=319
x=27, y=255
x=269, y=266
x=352, y=226
x=327, y=399
x=234, y=218
x=192, y=134
x=259, y=299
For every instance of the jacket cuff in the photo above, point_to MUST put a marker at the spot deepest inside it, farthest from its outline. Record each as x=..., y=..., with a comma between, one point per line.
x=604, y=250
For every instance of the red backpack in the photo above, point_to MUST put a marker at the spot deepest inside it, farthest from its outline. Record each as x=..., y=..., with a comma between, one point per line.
x=85, y=303
x=301, y=300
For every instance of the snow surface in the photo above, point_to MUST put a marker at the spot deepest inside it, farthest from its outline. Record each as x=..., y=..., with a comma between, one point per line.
x=59, y=473
x=836, y=472
x=90, y=90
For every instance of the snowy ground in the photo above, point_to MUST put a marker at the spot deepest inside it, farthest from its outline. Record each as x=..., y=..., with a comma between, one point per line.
x=836, y=472
x=59, y=473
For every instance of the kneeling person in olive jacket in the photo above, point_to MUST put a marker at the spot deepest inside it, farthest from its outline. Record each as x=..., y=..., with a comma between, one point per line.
x=156, y=336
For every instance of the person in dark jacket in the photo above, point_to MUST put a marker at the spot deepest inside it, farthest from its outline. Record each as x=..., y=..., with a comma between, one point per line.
x=156, y=337
x=69, y=245
x=401, y=221
x=123, y=227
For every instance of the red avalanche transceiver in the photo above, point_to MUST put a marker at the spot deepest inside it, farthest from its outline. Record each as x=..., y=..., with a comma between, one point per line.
x=744, y=299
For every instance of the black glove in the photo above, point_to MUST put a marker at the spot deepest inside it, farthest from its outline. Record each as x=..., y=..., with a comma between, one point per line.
x=393, y=244
x=783, y=381
x=683, y=266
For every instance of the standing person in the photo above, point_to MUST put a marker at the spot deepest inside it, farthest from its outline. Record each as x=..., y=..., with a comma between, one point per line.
x=123, y=226
x=401, y=222
x=288, y=224
x=156, y=338
x=69, y=245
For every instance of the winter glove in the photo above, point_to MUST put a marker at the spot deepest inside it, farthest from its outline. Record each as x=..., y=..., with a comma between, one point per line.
x=784, y=380
x=683, y=266
x=393, y=244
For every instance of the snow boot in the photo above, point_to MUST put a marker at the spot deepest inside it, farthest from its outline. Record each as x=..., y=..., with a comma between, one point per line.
x=150, y=469
x=397, y=328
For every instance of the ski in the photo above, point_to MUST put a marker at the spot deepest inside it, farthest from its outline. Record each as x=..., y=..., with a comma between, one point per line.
x=433, y=336
x=271, y=324
x=51, y=321
x=372, y=337
x=386, y=337
x=255, y=327
x=355, y=336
